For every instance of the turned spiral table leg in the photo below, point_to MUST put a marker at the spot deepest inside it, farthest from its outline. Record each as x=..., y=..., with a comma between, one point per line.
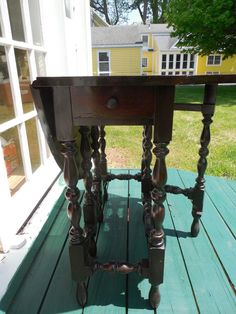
x=156, y=241
x=78, y=247
x=208, y=108
x=163, y=122
x=88, y=201
x=146, y=178
x=97, y=188
x=103, y=160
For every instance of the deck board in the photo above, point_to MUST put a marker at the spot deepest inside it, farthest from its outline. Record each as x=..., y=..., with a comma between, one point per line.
x=199, y=272
x=214, y=221
x=176, y=293
x=211, y=287
x=107, y=292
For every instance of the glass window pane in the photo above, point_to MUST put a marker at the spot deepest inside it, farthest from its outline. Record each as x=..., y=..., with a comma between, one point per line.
x=33, y=143
x=104, y=67
x=144, y=62
x=40, y=63
x=145, y=38
x=35, y=22
x=104, y=74
x=217, y=59
x=17, y=29
x=163, y=65
x=12, y=155
x=6, y=102
x=210, y=59
x=24, y=79
x=103, y=56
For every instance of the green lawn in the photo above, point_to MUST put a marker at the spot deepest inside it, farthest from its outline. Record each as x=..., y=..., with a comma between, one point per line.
x=124, y=143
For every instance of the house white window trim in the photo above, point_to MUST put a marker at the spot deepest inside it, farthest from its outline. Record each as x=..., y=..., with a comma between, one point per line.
x=212, y=72
x=181, y=70
x=19, y=206
x=144, y=62
x=146, y=43
x=214, y=56
x=109, y=62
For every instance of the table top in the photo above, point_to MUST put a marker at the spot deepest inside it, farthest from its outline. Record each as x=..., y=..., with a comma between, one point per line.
x=154, y=80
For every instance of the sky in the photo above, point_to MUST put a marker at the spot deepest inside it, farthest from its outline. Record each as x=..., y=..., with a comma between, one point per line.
x=134, y=17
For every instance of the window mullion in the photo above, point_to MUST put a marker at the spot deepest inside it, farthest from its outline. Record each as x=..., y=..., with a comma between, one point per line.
x=32, y=65
x=5, y=197
x=25, y=151
x=5, y=20
x=26, y=21
x=42, y=142
x=13, y=75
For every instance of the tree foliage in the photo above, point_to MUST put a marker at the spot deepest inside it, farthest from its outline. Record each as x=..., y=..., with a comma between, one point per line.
x=114, y=11
x=207, y=26
x=153, y=10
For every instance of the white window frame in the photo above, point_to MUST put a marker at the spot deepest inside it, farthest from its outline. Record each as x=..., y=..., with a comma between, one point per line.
x=145, y=43
x=109, y=62
x=20, y=205
x=145, y=60
x=187, y=70
x=212, y=72
x=214, y=57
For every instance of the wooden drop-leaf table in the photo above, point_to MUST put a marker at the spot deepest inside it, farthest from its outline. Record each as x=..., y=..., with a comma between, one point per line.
x=74, y=112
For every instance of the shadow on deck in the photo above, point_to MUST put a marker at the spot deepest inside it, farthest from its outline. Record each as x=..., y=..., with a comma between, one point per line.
x=199, y=272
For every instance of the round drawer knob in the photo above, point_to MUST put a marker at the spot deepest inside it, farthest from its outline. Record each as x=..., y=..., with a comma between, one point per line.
x=112, y=103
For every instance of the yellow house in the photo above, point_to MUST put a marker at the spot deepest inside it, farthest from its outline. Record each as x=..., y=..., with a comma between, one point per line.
x=116, y=51
x=149, y=50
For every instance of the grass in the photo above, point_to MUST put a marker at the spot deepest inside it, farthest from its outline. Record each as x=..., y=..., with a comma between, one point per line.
x=124, y=143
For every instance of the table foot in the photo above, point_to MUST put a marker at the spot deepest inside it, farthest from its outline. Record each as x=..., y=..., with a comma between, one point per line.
x=154, y=296
x=195, y=227
x=92, y=247
x=81, y=294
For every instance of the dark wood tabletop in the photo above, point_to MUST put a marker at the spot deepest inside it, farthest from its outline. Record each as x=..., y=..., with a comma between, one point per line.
x=133, y=80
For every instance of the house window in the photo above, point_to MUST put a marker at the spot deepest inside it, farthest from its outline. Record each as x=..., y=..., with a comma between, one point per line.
x=171, y=61
x=177, y=61
x=145, y=41
x=185, y=61
x=182, y=63
x=163, y=73
x=103, y=63
x=20, y=136
x=163, y=62
x=144, y=62
x=191, y=64
x=212, y=73
x=214, y=60
x=23, y=149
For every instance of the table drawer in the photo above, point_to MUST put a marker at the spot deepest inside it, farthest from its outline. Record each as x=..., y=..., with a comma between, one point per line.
x=112, y=105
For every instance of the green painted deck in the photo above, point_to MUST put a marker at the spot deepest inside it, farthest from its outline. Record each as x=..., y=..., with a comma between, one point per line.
x=200, y=273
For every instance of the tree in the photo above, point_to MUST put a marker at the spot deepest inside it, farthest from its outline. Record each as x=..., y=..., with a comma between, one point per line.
x=143, y=8
x=151, y=9
x=205, y=26
x=114, y=11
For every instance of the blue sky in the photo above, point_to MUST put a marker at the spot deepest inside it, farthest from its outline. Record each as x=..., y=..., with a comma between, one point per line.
x=134, y=17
